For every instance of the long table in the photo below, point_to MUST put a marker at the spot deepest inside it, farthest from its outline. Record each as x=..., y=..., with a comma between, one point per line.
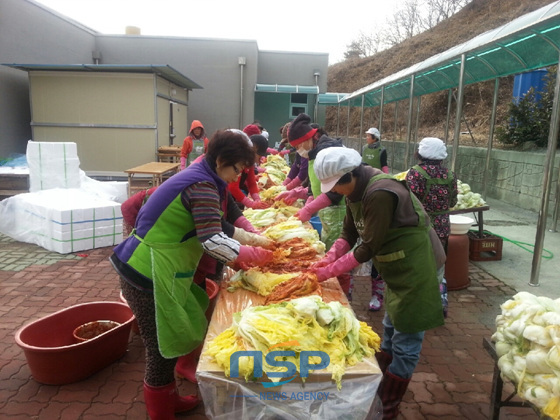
x=227, y=398
x=158, y=170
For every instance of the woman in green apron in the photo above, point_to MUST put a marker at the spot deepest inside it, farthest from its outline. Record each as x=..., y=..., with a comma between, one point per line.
x=396, y=235
x=181, y=222
x=436, y=188
x=309, y=139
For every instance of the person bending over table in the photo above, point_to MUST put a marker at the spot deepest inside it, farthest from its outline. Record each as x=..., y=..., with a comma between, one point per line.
x=396, y=235
x=181, y=222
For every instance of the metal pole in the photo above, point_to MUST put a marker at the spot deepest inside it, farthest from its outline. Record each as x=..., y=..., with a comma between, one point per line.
x=449, y=98
x=381, y=110
x=348, y=123
x=457, y=132
x=548, y=167
x=362, y=123
x=395, y=135
x=337, y=119
x=490, y=137
x=418, y=100
x=409, y=122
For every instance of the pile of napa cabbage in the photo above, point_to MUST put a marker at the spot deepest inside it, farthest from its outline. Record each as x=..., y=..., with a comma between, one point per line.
x=467, y=199
x=305, y=323
x=528, y=346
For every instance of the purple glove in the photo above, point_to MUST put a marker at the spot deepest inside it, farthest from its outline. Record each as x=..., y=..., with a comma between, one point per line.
x=183, y=162
x=290, y=197
x=260, y=169
x=293, y=184
x=342, y=265
x=244, y=224
x=253, y=255
x=338, y=249
x=313, y=207
x=286, y=181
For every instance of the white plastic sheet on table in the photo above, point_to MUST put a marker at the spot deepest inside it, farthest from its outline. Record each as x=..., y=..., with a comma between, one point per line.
x=233, y=398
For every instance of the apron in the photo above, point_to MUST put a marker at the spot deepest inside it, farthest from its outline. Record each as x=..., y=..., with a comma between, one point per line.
x=372, y=156
x=331, y=216
x=180, y=304
x=434, y=181
x=197, y=150
x=405, y=261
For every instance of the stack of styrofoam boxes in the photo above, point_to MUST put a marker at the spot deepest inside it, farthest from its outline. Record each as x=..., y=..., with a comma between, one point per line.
x=69, y=220
x=57, y=214
x=52, y=165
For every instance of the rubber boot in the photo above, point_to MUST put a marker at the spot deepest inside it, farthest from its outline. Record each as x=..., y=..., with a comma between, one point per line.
x=162, y=402
x=384, y=359
x=377, y=292
x=391, y=392
x=186, y=365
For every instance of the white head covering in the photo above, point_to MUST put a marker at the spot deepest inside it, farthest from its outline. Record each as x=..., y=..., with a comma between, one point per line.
x=333, y=163
x=432, y=148
x=374, y=132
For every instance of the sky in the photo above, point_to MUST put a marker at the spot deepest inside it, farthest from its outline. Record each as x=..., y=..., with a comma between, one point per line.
x=304, y=26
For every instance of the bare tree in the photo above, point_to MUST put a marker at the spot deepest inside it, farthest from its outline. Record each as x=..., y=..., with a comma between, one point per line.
x=410, y=18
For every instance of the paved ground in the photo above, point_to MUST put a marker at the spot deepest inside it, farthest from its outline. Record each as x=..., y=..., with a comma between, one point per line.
x=452, y=381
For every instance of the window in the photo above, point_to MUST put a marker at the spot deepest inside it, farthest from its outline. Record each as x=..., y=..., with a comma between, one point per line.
x=298, y=104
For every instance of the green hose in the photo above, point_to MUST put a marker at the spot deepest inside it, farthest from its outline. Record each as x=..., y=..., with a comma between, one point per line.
x=523, y=245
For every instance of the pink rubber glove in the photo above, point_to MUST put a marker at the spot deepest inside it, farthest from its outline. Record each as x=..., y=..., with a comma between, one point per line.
x=244, y=224
x=253, y=255
x=284, y=153
x=293, y=184
x=290, y=197
x=255, y=196
x=247, y=202
x=286, y=181
x=342, y=265
x=272, y=151
x=310, y=209
x=385, y=169
x=260, y=169
x=338, y=249
x=183, y=162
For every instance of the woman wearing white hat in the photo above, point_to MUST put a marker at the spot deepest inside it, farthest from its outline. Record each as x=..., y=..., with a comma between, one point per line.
x=396, y=235
x=436, y=188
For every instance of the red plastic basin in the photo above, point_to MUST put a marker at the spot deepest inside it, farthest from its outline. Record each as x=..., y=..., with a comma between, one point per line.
x=52, y=353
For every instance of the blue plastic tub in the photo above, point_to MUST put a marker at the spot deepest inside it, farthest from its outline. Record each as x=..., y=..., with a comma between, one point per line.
x=316, y=223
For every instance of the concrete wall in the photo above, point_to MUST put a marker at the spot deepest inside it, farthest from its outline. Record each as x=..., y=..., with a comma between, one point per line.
x=514, y=177
x=30, y=34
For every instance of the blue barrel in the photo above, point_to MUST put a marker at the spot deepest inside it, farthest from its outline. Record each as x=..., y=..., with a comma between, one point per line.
x=316, y=223
x=532, y=79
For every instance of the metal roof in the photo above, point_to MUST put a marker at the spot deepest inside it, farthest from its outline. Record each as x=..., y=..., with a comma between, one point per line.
x=165, y=71
x=313, y=89
x=330, y=98
x=527, y=43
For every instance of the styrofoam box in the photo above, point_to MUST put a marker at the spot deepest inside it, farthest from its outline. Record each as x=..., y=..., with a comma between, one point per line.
x=69, y=220
x=52, y=165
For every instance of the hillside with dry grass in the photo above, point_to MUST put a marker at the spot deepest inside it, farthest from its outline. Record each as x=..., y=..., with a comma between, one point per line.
x=477, y=17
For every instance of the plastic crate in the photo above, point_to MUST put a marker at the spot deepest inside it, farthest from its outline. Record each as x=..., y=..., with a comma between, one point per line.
x=487, y=248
